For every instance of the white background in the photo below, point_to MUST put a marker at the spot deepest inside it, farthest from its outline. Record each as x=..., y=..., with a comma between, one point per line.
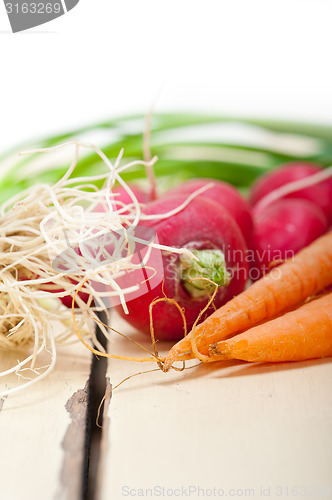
x=111, y=57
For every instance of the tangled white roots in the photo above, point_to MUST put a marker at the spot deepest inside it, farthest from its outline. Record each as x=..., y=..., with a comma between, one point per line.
x=44, y=222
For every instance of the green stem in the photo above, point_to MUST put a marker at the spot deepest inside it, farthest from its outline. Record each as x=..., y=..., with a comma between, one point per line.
x=211, y=266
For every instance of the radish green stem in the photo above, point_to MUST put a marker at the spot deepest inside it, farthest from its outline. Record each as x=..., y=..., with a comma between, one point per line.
x=211, y=265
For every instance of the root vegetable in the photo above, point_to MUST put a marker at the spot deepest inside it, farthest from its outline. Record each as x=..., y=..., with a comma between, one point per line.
x=319, y=193
x=282, y=229
x=212, y=234
x=50, y=247
x=287, y=286
x=305, y=333
x=122, y=198
x=225, y=195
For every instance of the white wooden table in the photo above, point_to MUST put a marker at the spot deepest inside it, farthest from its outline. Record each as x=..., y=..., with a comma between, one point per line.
x=42, y=431
x=226, y=429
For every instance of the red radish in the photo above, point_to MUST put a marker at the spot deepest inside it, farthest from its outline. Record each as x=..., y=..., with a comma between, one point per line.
x=201, y=225
x=226, y=196
x=122, y=195
x=320, y=194
x=284, y=228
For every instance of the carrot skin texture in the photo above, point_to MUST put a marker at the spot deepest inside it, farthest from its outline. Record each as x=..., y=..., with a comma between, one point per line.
x=307, y=274
x=305, y=333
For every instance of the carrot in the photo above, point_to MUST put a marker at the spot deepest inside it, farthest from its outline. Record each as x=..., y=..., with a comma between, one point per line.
x=304, y=333
x=286, y=287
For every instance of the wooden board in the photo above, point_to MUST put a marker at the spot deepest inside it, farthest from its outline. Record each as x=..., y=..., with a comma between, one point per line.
x=42, y=431
x=225, y=429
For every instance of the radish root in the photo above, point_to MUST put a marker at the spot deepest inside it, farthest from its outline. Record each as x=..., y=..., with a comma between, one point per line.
x=46, y=223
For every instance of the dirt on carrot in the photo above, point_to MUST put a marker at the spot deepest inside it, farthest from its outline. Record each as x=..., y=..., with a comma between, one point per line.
x=288, y=286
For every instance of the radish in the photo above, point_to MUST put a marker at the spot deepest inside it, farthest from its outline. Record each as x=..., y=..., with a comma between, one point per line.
x=55, y=244
x=284, y=228
x=319, y=193
x=211, y=233
x=226, y=196
x=121, y=198
x=122, y=194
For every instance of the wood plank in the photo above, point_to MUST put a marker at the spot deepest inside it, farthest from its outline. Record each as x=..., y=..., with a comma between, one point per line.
x=42, y=431
x=242, y=429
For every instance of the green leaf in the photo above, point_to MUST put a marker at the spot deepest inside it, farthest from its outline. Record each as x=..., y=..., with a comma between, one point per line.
x=238, y=164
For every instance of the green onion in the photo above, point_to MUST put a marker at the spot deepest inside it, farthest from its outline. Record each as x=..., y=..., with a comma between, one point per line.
x=187, y=145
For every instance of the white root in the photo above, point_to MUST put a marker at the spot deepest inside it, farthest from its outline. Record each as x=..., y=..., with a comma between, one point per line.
x=39, y=226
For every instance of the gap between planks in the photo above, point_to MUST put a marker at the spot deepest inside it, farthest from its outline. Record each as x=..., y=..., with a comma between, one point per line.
x=98, y=387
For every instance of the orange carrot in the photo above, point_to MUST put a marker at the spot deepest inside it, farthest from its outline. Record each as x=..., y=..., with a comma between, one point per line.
x=285, y=287
x=304, y=333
